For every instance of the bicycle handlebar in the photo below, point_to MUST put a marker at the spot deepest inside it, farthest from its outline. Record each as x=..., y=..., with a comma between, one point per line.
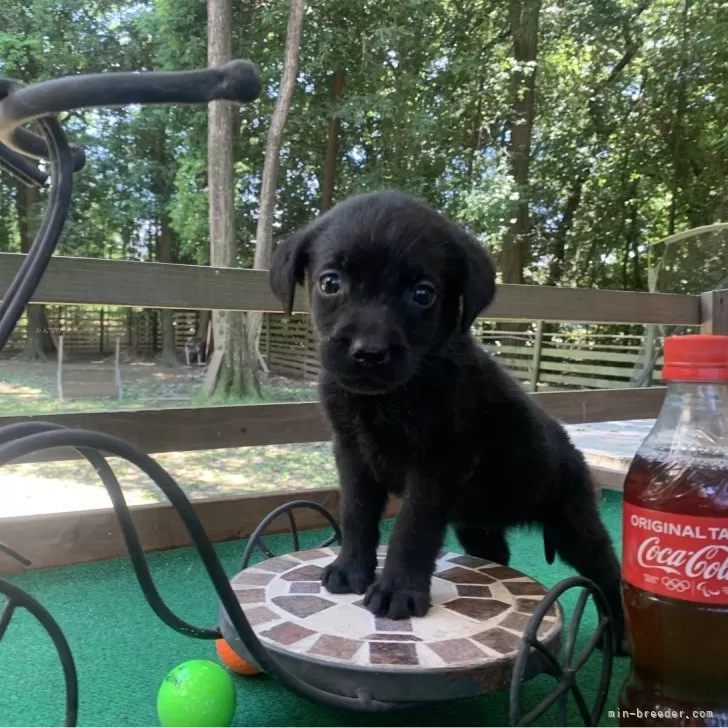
x=237, y=81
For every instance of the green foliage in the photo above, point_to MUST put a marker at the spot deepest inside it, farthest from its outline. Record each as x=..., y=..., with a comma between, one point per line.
x=629, y=140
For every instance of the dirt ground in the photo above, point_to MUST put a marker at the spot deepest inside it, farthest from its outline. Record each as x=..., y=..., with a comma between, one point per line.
x=29, y=388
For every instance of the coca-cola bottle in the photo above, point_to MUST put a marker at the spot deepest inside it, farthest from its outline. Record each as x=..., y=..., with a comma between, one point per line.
x=675, y=547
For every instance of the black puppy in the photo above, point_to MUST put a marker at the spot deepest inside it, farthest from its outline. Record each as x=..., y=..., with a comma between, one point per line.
x=419, y=409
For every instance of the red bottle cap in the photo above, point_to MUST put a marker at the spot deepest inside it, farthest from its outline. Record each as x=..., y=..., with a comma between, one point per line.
x=696, y=358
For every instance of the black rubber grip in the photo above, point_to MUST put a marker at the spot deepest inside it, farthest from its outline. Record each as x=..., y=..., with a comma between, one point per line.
x=238, y=81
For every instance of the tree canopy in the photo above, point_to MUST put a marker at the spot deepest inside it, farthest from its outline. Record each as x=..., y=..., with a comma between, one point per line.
x=569, y=137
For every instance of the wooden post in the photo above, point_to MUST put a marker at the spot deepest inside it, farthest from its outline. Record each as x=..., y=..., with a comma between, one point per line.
x=266, y=318
x=714, y=312
x=101, y=334
x=117, y=367
x=59, y=370
x=536, y=361
x=305, y=358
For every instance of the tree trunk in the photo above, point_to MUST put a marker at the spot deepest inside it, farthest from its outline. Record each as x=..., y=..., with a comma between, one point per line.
x=39, y=344
x=164, y=255
x=558, y=246
x=524, y=17
x=238, y=375
x=338, y=81
x=264, y=232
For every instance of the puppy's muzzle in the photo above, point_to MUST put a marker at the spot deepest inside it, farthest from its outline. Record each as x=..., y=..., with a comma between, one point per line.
x=369, y=353
x=368, y=358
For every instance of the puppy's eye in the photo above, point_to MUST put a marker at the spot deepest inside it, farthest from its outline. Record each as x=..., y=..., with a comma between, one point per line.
x=330, y=283
x=423, y=295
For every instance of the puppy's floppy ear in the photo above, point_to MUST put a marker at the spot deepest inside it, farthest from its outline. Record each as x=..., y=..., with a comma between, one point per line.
x=476, y=276
x=288, y=266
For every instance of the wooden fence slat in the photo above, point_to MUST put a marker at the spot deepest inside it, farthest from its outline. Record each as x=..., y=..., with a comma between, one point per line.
x=166, y=285
x=583, y=305
x=181, y=429
x=574, y=381
x=564, y=353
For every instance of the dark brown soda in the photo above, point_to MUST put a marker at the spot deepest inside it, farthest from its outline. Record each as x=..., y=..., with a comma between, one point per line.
x=679, y=648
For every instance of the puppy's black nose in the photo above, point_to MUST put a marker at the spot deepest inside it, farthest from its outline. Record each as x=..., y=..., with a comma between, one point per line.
x=367, y=353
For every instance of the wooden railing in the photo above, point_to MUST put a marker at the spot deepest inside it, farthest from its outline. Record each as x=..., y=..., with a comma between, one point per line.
x=539, y=360
x=69, y=538
x=165, y=285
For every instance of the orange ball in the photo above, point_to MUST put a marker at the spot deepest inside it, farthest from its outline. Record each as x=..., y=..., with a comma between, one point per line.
x=233, y=661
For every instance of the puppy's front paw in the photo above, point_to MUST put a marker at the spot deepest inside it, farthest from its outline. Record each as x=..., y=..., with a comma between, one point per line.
x=388, y=599
x=347, y=577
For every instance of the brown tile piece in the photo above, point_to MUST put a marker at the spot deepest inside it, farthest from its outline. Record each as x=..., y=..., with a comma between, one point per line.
x=457, y=650
x=499, y=640
x=302, y=605
x=459, y=575
x=310, y=572
x=529, y=606
x=480, y=609
x=331, y=646
x=252, y=578
x=305, y=587
x=382, y=624
x=311, y=554
x=249, y=596
x=516, y=621
x=287, y=633
x=260, y=615
x=502, y=572
x=391, y=637
x=473, y=562
x=277, y=566
x=520, y=622
x=392, y=653
x=523, y=588
x=474, y=590
x=545, y=627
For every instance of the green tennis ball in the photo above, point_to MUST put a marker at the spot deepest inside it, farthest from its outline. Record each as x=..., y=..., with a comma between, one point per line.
x=197, y=693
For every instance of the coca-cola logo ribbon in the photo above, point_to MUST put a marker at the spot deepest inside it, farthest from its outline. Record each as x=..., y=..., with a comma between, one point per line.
x=691, y=552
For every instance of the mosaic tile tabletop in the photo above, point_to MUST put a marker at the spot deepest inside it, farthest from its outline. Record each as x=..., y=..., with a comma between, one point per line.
x=480, y=610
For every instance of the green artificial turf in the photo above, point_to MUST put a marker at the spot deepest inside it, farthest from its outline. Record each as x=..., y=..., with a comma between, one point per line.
x=123, y=652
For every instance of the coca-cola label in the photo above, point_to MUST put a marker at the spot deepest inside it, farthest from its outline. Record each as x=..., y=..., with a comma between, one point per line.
x=674, y=555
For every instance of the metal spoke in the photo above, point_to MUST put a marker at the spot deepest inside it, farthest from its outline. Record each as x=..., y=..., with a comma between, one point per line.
x=294, y=531
x=594, y=641
x=6, y=616
x=256, y=538
x=565, y=675
x=575, y=623
x=558, y=692
x=581, y=703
